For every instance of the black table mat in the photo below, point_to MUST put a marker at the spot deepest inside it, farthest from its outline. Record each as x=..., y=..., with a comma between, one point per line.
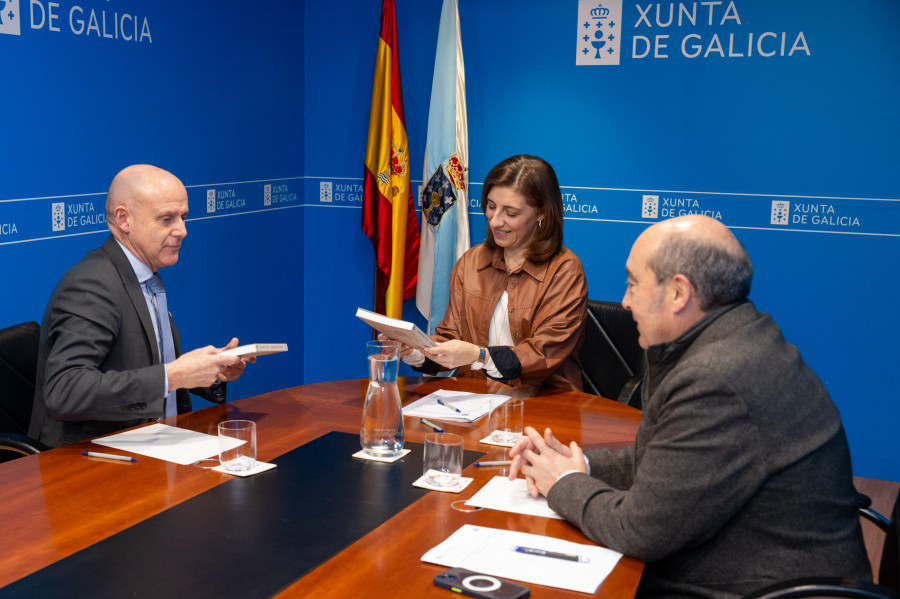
x=248, y=537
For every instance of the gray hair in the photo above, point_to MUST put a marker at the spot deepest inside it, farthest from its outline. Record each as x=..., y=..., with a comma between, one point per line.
x=718, y=275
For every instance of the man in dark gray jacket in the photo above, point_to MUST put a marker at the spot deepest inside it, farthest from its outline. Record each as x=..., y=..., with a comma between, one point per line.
x=100, y=368
x=740, y=474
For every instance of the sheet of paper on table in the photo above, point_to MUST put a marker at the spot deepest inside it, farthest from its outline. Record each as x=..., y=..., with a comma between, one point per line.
x=472, y=406
x=168, y=443
x=506, y=495
x=492, y=551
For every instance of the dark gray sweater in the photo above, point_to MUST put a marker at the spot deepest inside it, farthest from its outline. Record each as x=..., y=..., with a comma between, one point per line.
x=740, y=474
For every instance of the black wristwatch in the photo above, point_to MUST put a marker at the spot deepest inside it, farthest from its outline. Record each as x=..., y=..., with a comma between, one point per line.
x=479, y=363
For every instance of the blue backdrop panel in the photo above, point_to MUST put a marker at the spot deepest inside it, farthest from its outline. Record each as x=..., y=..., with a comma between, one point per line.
x=212, y=92
x=793, y=146
x=776, y=117
x=263, y=251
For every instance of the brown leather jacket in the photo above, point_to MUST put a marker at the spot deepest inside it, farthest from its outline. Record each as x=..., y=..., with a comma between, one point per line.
x=547, y=308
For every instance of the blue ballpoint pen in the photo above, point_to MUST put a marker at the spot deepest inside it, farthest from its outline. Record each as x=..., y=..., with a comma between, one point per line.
x=448, y=406
x=556, y=554
x=433, y=426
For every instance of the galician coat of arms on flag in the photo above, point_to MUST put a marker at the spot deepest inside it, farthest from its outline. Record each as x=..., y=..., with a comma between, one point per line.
x=440, y=192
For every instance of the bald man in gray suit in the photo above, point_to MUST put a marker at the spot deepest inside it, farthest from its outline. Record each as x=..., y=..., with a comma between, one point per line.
x=99, y=365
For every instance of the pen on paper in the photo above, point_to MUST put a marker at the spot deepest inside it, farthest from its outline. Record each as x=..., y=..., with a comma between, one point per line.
x=109, y=456
x=432, y=425
x=494, y=463
x=555, y=554
x=449, y=406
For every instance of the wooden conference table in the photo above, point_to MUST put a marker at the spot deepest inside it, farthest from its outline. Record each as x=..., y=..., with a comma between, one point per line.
x=58, y=503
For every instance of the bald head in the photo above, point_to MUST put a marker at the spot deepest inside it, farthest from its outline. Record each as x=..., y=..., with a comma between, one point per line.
x=703, y=250
x=138, y=183
x=145, y=210
x=697, y=227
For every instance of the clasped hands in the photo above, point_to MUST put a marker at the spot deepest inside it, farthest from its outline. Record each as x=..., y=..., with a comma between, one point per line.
x=205, y=366
x=543, y=460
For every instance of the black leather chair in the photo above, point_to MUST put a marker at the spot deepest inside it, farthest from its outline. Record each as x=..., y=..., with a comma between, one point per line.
x=888, y=586
x=18, y=361
x=612, y=362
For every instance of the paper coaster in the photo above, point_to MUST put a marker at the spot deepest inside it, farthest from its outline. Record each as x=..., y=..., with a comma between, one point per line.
x=361, y=454
x=260, y=467
x=462, y=484
x=489, y=441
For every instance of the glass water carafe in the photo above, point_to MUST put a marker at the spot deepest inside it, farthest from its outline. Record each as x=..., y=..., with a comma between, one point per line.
x=381, y=431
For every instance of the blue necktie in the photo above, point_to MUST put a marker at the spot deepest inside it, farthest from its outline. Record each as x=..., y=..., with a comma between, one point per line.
x=163, y=333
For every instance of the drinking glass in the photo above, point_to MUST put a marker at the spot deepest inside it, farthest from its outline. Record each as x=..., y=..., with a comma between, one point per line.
x=442, y=465
x=237, y=444
x=507, y=420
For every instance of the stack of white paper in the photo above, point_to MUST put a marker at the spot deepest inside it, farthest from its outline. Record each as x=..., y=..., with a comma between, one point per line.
x=443, y=405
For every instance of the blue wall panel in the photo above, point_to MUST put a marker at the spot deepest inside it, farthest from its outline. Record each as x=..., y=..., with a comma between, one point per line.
x=732, y=133
x=232, y=100
x=212, y=92
x=341, y=44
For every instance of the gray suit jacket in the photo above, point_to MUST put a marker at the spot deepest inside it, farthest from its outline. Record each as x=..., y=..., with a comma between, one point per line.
x=98, y=367
x=740, y=474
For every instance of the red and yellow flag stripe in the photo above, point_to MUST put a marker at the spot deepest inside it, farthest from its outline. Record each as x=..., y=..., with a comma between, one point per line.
x=389, y=215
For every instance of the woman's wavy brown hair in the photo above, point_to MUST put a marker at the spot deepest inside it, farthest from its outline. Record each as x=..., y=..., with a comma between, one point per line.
x=535, y=179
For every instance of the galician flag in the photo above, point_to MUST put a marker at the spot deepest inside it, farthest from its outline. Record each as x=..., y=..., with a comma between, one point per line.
x=445, y=221
x=389, y=215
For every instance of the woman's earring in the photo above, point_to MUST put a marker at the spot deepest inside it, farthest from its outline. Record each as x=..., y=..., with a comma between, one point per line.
x=540, y=222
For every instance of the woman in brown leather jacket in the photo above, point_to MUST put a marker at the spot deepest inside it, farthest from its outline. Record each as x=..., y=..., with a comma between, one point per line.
x=517, y=301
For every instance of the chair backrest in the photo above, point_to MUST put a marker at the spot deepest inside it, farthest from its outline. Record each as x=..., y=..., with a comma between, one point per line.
x=889, y=570
x=888, y=586
x=611, y=355
x=18, y=361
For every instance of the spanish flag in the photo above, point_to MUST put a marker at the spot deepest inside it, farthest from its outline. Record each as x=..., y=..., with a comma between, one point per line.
x=389, y=215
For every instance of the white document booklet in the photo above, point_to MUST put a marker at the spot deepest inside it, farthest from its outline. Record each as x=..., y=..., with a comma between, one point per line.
x=452, y=405
x=256, y=349
x=510, y=554
x=398, y=330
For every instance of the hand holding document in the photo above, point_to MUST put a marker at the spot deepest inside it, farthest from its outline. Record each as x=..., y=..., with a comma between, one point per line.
x=398, y=330
x=256, y=349
x=452, y=405
x=526, y=557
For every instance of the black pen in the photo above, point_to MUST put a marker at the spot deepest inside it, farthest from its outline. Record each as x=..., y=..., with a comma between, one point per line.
x=544, y=553
x=109, y=456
